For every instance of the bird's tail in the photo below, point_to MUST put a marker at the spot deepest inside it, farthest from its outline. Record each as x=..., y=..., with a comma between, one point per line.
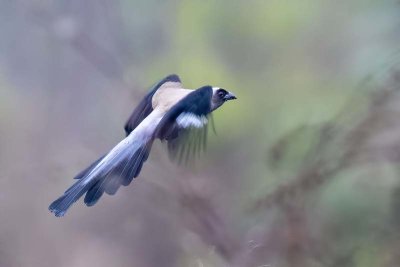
x=123, y=163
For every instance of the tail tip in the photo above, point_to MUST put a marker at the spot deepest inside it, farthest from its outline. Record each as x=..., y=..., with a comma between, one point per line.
x=58, y=212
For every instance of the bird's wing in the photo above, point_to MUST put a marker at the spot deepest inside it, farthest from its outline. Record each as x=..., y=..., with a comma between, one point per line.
x=145, y=106
x=185, y=126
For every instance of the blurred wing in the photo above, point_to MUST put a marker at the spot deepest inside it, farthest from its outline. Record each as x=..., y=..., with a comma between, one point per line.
x=189, y=142
x=185, y=126
x=145, y=106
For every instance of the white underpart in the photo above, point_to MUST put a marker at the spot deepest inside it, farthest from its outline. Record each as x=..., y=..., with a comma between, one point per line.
x=187, y=119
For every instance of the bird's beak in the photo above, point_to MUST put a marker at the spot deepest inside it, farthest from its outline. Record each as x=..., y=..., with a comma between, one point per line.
x=230, y=96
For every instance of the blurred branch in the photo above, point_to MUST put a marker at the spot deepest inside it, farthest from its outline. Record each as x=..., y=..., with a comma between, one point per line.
x=353, y=144
x=202, y=218
x=97, y=56
x=70, y=30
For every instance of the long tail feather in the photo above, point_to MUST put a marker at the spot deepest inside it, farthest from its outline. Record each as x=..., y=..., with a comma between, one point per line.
x=107, y=174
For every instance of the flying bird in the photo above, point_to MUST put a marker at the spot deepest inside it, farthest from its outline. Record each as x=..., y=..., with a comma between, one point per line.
x=169, y=112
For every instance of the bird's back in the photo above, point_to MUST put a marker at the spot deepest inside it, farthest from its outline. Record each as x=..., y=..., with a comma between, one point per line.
x=167, y=97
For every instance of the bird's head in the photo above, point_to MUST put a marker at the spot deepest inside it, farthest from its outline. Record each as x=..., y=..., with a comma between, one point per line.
x=220, y=96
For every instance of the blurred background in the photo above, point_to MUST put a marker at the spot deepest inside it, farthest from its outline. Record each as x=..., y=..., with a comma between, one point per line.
x=303, y=171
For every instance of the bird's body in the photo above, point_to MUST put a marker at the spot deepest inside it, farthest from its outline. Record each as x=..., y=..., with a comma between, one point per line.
x=169, y=113
x=167, y=97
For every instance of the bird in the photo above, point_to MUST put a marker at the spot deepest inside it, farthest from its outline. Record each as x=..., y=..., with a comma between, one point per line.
x=170, y=113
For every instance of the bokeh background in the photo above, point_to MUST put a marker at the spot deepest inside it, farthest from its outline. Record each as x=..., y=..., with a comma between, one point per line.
x=303, y=170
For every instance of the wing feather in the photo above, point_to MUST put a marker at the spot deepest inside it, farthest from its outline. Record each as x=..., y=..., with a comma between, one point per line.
x=145, y=106
x=185, y=126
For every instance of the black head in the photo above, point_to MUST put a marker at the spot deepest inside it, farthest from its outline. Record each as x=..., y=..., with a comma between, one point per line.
x=220, y=96
x=224, y=95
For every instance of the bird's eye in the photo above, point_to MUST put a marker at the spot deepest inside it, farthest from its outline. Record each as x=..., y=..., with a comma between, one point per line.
x=222, y=93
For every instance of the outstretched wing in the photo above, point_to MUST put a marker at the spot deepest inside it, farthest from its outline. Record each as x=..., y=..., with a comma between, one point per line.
x=145, y=106
x=185, y=126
